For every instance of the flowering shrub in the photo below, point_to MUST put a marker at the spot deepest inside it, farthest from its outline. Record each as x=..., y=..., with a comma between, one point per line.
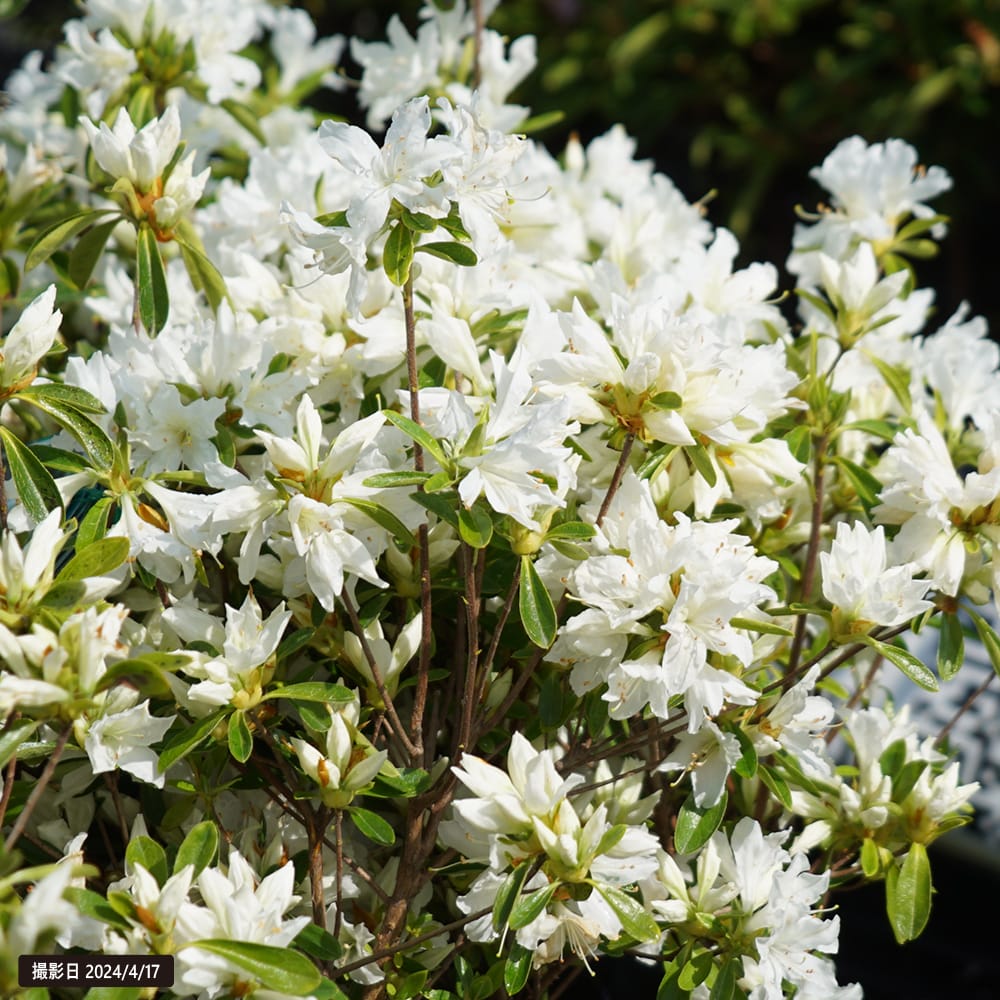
x=428, y=566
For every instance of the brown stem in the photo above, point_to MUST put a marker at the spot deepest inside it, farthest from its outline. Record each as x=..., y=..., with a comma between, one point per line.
x=339, y=824
x=40, y=785
x=314, y=828
x=812, y=554
x=471, y=652
x=477, y=68
x=616, y=478
x=413, y=942
x=508, y=606
x=965, y=707
x=416, y=738
x=3, y=492
x=390, y=707
x=111, y=780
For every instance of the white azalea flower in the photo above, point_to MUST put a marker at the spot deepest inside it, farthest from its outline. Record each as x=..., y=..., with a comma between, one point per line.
x=28, y=342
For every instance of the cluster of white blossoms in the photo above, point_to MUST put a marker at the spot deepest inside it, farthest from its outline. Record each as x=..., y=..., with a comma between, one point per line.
x=452, y=529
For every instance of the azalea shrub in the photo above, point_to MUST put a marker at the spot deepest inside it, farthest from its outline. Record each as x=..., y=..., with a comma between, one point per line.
x=430, y=565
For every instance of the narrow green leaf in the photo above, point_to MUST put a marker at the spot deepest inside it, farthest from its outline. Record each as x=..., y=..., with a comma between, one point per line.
x=91, y=436
x=291, y=644
x=702, y=462
x=246, y=117
x=94, y=525
x=530, y=906
x=68, y=395
x=388, y=480
x=335, y=694
x=148, y=679
x=818, y=302
x=93, y=904
x=97, y=559
x=188, y=738
x=724, y=987
x=696, y=969
x=385, y=518
x=908, y=894
x=457, y=253
x=696, y=825
x=884, y=429
x=397, y=256
x=14, y=735
x=413, y=430
x=865, y=484
x=199, y=848
x=204, y=275
x=240, y=737
x=51, y=239
x=951, y=647
x=746, y=766
x=912, y=666
x=896, y=377
x=893, y=757
x=318, y=943
x=444, y=508
x=475, y=526
x=636, y=922
x=988, y=637
x=372, y=826
x=871, y=863
x=279, y=969
x=419, y=222
x=764, y=627
x=10, y=279
x=666, y=401
x=147, y=852
x=36, y=488
x=154, y=301
x=572, y=530
x=516, y=969
x=507, y=895
x=538, y=615
x=84, y=256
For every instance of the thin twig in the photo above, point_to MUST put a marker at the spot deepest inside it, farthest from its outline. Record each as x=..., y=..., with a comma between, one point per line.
x=967, y=704
x=40, y=785
x=339, y=824
x=616, y=478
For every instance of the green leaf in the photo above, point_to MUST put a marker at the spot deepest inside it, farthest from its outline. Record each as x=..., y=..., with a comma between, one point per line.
x=884, y=429
x=516, y=969
x=94, y=525
x=572, y=530
x=318, y=943
x=292, y=643
x=530, y=906
x=696, y=825
x=204, y=275
x=93, y=904
x=555, y=701
x=279, y=969
x=97, y=559
x=10, y=279
x=666, y=401
x=636, y=922
x=84, y=256
x=372, y=826
x=457, y=253
x=147, y=852
x=507, y=895
x=240, y=737
x=188, y=738
x=700, y=459
x=746, y=766
x=51, y=239
x=871, y=863
x=475, y=526
x=896, y=377
x=154, y=301
x=413, y=430
x=397, y=256
x=951, y=647
x=14, y=735
x=912, y=666
x=764, y=627
x=988, y=637
x=724, y=987
x=538, y=615
x=246, y=117
x=385, y=518
x=419, y=222
x=150, y=679
x=908, y=894
x=388, y=480
x=199, y=848
x=69, y=395
x=335, y=694
x=865, y=484
x=91, y=436
x=696, y=969
x=36, y=488
x=893, y=757
x=443, y=507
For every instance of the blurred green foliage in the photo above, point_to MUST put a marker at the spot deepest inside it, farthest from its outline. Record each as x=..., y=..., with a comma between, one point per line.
x=744, y=96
